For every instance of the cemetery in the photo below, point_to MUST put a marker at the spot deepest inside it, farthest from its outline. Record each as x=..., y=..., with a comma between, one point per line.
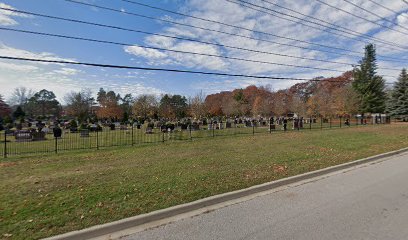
x=53, y=135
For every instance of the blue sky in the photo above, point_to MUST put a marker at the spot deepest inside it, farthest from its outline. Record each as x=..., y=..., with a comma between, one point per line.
x=65, y=78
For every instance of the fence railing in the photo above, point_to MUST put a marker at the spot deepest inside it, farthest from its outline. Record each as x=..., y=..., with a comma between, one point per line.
x=13, y=144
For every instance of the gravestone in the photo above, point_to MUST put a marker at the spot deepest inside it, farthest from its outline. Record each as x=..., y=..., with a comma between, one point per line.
x=163, y=128
x=93, y=127
x=210, y=126
x=23, y=136
x=57, y=132
x=195, y=126
x=46, y=130
x=295, y=124
x=248, y=123
x=149, y=130
x=38, y=136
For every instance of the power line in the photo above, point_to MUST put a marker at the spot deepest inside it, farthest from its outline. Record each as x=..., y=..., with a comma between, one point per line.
x=231, y=34
x=357, y=16
x=151, y=69
x=319, y=19
x=165, y=49
x=162, y=35
x=301, y=20
x=161, y=69
x=172, y=50
x=375, y=14
x=261, y=32
x=387, y=8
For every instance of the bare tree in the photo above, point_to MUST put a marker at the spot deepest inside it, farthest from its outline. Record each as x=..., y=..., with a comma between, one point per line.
x=20, y=96
x=197, y=105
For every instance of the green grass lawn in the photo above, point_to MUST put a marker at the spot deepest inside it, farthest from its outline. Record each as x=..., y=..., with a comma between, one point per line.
x=51, y=194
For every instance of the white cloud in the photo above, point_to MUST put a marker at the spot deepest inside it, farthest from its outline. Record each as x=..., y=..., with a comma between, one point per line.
x=234, y=14
x=67, y=71
x=145, y=52
x=14, y=52
x=61, y=79
x=402, y=19
x=17, y=67
x=6, y=17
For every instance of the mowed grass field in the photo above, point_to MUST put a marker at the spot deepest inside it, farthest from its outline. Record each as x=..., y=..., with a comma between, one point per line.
x=45, y=195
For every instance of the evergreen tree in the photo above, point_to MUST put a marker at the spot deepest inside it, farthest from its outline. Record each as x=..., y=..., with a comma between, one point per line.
x=19, y=113
x=43, y=103
x=398, y=102
x=368, y=85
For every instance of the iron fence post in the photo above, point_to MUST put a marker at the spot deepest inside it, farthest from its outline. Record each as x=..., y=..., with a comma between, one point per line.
x=5, y=144
x=310, y=123
x=191, y=137
x=340, y=121
x=132, y=136
x=56, y=145
x=97, y=139
x=253, y=128
x=213, y=128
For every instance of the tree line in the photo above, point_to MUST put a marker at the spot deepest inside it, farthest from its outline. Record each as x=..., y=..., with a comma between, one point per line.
x=359, y=91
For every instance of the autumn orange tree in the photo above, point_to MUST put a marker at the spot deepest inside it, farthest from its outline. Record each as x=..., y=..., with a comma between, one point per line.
x=109, y=105
x=320, y=97
x=4, y=108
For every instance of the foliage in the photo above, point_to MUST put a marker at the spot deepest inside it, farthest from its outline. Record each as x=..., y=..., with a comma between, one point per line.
x=145, y=106
x=109, y=105
x=173, y=106
x=43, y=103
x=4, y=108
x=368, y=85
x=73, y=124
x=126, y=105
x=19, y=113
x=324, y=97
x=398, y=102
x=79, y=104
x=197, y=107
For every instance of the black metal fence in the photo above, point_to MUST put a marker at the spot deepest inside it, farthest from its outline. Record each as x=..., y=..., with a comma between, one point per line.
x=23, y=142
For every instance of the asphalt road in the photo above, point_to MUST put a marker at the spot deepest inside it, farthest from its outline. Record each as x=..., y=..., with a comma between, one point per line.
x=366, y=202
